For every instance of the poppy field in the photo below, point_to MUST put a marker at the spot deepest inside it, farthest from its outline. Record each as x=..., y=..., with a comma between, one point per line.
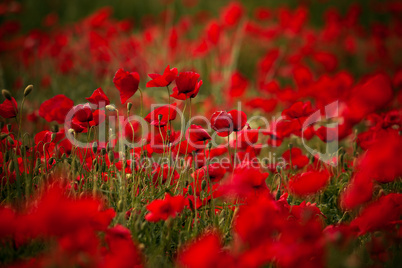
x=191, y=133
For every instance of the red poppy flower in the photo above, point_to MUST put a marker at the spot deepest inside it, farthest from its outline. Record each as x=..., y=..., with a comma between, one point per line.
x=159, y=140
x=187, y=86
x=164, y=173
x=196, y=133
x=366, y=98
x=168, y=113
x=163, y=209
x=213, y=32
x=56, y=108
x=187, y=147
x=9, y=108
x=127, y=83
x=206, y=251
x=381, y=214
x=215, y=172
x=131, y=131
x=239, y=119
x=238, y=85
x=298, y=110
x=246, y=137
x=121, y=251
x=226, y=122
x=247, y=181
x=308, y=182
x=267, y=105
x=327, y=134
x=83, y=112
x=222, y=123
x=298, y=159
x=168, y=76
x=99, y=98
x=232, y=14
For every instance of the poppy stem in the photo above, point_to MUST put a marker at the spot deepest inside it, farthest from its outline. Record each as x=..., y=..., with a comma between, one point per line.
x=142, y=100
x=235, y=152
x=170, y=124
x=230, y=155
x=20, y=118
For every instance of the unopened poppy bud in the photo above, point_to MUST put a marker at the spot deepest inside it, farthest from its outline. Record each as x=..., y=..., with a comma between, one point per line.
x=95, y=147
x=3, y=136
x=8, y=127
x=278, y=168
x=28, y=90
x=129, y=105
x=204, y=185
x=10, y=140
x=51, y=161
x=11, y=166
x=37, y=164
x=120, y=205
x=55, y=128
x=110, y=108
x=209, y=145
x=168, y=133
x=111, y=156
x=7, y=156
x=109, y=145
x=278, y=194
x=190, y=190
x=6, y=94
x=290, y=146
x=103, y=151
x=53, y=136
x=160, y=116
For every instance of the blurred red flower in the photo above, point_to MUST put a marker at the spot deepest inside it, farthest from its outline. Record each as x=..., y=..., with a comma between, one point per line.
x=9, y=108
x=309, y=182
x=163, y=209
x=56, y=108
x=205, y=251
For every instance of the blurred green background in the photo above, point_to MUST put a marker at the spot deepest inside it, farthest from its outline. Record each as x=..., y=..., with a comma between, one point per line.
x=33, y=11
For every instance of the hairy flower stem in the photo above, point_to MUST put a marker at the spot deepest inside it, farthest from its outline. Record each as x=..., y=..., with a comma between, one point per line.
x=142, y=100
